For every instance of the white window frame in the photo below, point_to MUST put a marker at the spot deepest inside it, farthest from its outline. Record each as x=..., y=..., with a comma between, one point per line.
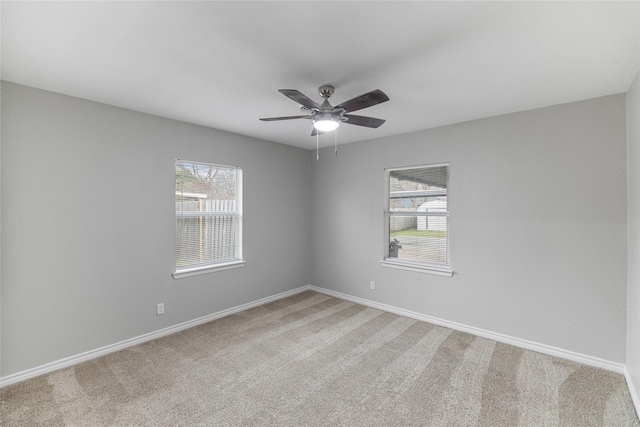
x=216, y=266
x=440, y=269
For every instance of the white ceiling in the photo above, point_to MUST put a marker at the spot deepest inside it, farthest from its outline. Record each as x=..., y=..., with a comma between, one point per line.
x=220, y=64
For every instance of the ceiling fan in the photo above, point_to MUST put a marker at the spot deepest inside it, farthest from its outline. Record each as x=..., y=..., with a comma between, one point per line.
x=326, y=118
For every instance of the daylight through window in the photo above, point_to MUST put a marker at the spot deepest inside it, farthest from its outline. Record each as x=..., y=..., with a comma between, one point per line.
x=208, y=215
x=417, y=216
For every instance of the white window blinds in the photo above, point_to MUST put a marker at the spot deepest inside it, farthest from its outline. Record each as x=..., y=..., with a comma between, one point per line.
x=208, y=214
x=418, y=215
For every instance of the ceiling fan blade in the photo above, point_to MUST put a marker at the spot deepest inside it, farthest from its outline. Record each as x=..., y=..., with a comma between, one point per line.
x=370, y=122
x=315, y=132
x=300, y=98
x=363, y=101
x=273, y=119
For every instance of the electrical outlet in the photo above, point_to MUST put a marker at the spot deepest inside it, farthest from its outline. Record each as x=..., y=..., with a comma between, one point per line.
x=372, y=285
x=160, y=309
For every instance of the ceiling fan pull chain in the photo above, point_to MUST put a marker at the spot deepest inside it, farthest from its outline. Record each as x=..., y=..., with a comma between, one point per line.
x=335, y=140
x=317, y=147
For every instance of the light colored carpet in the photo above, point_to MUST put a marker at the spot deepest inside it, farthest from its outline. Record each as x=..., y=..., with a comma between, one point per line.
x=315, y=360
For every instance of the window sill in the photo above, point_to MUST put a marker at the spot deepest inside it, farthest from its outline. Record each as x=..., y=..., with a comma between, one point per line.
x=207, y=269
x=438, y=271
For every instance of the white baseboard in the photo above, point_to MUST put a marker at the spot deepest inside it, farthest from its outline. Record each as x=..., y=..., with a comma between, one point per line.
x=92, y=354
x=633, y=391
x=542, y=348
x=529, y=345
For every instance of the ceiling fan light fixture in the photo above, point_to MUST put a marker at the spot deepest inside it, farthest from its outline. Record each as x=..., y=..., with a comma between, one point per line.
x=326, y=122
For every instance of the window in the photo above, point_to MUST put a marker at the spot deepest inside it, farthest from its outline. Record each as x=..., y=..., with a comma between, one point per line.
x=417, y=219
x=208, y=217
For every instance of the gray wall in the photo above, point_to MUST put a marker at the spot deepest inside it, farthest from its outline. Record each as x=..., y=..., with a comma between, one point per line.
x=633, y=303
x=88, y=224
x=538, y=225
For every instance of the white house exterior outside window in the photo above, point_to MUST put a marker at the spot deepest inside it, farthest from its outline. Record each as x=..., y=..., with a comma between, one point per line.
x=417, y=215
x=208, y=217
